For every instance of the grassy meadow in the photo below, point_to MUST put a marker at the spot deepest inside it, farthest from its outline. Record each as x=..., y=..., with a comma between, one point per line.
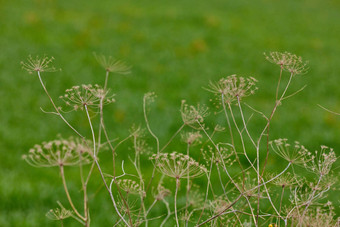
x=175, y=48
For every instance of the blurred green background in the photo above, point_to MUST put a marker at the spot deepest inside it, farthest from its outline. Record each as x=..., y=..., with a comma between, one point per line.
x=175, y=48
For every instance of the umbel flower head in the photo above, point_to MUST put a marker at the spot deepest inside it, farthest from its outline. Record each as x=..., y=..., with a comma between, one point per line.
x=58, y=213
x=196, y=197
x=233, y=87
x=162, y=192
x=288, y=62
x=296, y=154
x=61, y=152
x=222, y=157
x=249, y=186
x=219, y=204
x=178, y=165
x=316, y=217
x=112, y=65
x=38, y=64
x=148, y=99
x=91, y=96
x=129, y=186
x=191, y=138
x=285, y=180
x=191, y=114
x=322, y=161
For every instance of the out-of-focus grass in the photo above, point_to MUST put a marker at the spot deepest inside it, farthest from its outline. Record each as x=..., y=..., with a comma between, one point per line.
x=175, y=48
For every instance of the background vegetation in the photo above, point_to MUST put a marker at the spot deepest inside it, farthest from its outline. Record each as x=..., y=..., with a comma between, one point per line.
x=175, y=48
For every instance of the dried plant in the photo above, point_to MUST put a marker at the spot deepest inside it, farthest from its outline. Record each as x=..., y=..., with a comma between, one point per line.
x=237, y=189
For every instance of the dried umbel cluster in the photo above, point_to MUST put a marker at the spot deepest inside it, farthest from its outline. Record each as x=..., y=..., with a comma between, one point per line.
x=130, y=186
x=90, y=96
x=61, y=152
x=59, y=214
x=219, y=205
x=285, y=180
x=140, y=145
x=162, y=192
x=288, y=62
x=296, y=154
x=232, y=88
x=322, y=161
x=196, y=197
x=319, y=217
x=191, y=115
x=191, y=138
x=112, y=65
x=38, y=64
x=178, y=165
x=221, y=156
x=319, y=162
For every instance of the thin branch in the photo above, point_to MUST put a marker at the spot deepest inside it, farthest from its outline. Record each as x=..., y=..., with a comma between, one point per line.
x=328, y=110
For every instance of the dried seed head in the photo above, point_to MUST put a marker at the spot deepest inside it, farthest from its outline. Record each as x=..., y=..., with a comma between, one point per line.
x=91, y=96
x=322, y=162
x=112, y=65
x=285, y=180
x=232, y=88
x=162, y=192
x=130, y=186
x=315, y=216
x=148, y=99
x=219, y=205
x=58, y=214
x=61, y=152
x=38, y=64
x=196, y=198
x=136, y=131
x=178, y=165
x=191, y=138
x=288, y=62
x=296, y=154
x=193, y=114
x=141, y=146
x=129, y=205
x=219, y=128
x=249, y=186
x=210, y=154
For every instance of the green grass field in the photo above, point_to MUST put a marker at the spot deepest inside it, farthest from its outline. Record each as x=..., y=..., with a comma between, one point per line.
x=175, y=48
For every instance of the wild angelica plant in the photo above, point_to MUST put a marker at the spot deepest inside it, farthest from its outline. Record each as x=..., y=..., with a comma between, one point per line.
x=234, y=188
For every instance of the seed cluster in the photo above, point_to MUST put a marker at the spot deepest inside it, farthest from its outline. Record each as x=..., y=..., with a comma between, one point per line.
x=110, y=64
x=288, y=62
x=61, y=152
x=178, y=165
x=232, y=88
x=191, y=138
x=296, y=154
x=129, y=186
x=191, y=114
x=38, y=64
x=58, y=214
x=86, y=95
